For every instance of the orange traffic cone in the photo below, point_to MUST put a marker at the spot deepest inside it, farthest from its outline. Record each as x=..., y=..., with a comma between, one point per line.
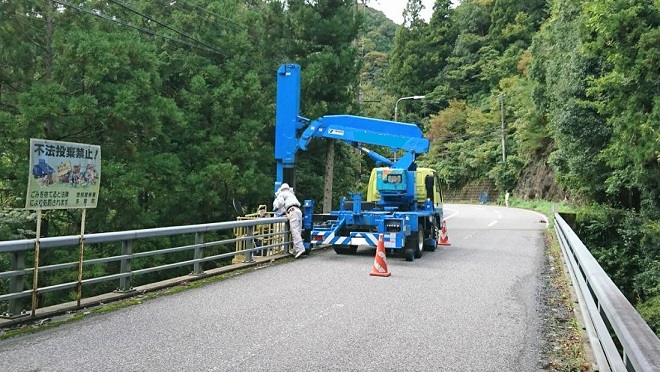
x=444, y=239
x=380, y=264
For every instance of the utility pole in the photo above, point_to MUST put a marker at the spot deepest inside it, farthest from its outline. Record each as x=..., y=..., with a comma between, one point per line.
x=503, y=134
x=506, y=192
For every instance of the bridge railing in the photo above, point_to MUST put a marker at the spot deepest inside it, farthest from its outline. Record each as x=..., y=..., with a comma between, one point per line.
x=620, y=339
x=217, y=242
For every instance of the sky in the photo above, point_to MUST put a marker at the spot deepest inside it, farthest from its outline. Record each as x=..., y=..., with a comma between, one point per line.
x=393, y=9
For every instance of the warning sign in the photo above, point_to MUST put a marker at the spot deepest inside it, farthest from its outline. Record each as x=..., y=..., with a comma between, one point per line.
x=63, y=175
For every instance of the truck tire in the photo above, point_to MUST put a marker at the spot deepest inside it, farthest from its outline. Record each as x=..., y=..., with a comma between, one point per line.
x=414, y=243
x=345, y=249
x=431, y=240
x=408, y=254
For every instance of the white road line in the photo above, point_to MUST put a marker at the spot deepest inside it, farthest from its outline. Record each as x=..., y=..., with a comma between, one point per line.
x=451, y=215
x=471, y=235
x=492, y=223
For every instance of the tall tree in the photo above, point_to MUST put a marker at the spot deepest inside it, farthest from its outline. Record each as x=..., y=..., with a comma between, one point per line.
x=461, y=78
x=408, y=71
x=561, y=70
x=625, y=35
x=322, y=38
x=440, y=40
x=512, y=25
x=225, y=93
x=21, y=37
x=505, y=26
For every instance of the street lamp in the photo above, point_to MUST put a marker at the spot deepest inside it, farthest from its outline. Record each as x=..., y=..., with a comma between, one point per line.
x=396, y=111
x=396, y=106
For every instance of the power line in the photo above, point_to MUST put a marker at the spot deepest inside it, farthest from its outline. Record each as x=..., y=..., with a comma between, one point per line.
x=141, y=29
x=198, y=44
x=173, y=3
x=168, y=27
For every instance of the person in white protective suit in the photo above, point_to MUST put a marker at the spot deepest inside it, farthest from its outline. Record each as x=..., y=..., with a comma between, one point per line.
x=286, y=203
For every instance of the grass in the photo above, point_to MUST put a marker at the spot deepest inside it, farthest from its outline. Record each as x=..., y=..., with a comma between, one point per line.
x=566, y=344
x=545, y=207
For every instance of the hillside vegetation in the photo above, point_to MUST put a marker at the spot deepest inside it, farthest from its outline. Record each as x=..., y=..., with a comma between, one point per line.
x=553, y=99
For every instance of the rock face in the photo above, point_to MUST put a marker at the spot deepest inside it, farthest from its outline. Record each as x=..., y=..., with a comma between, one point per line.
x=537, y=181
x=473, y=192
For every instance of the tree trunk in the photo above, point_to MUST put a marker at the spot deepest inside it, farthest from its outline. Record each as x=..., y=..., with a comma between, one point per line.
x=48, y=61
x=329, y=175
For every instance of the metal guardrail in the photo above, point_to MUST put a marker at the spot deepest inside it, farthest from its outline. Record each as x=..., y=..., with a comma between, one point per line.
x=608, y=316
x=268, y=236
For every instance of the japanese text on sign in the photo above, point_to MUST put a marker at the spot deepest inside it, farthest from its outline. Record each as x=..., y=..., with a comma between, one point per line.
x=63, y=175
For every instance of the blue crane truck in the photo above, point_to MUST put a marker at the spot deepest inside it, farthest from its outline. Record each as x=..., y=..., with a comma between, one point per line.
x=403, y=202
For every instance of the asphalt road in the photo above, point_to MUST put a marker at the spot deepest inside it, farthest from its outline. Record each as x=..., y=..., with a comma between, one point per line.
x=472, y=306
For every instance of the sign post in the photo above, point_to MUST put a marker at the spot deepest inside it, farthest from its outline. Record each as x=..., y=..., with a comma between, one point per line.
x=80, y=256
x=35, y=274
x=63, y=175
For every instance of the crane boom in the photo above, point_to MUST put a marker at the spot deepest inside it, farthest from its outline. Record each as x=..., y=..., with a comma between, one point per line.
x=354, y=130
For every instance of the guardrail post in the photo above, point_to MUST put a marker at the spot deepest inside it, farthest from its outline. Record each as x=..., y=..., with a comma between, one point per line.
x=15, y=306
x=249, y=233
x=286, y=238
x=125, y=266
x=199, y=254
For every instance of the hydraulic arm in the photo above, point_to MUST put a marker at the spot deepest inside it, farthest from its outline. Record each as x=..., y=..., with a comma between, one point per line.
x=354, y=130
x=357, y=130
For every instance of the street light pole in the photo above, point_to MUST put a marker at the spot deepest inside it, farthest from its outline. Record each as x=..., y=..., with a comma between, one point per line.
x=396, y=106
x=396, y=111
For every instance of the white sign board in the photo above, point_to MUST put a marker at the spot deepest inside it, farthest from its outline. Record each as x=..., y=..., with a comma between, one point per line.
x=63, y=175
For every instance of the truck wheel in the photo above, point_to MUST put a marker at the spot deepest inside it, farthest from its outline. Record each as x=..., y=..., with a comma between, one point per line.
x=431, y=242
x=408, y=254
x=419, y=247
x=345, y=249
x=415, y=243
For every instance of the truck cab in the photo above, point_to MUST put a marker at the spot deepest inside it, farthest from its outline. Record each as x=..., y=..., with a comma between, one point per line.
x=386, y=185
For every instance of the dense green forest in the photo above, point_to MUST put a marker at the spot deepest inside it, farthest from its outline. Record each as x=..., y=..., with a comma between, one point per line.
x=552, y=99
